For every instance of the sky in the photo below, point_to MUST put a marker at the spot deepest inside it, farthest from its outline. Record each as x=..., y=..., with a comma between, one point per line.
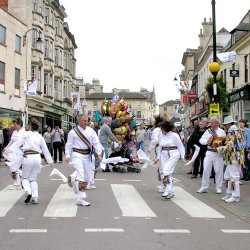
x=140, y=43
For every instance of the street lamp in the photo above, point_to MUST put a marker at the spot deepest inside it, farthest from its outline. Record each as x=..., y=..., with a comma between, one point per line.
x=39, y=39
x=175, y=78
x=214, y=67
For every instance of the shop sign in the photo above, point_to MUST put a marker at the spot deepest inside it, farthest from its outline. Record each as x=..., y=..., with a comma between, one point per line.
x=185, y=99
x=192, y=95
x=234, y=73
x=243, y=94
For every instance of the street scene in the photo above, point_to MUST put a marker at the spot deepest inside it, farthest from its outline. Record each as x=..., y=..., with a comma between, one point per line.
x=124, y=124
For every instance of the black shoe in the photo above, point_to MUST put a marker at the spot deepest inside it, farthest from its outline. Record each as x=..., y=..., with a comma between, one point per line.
x=27, y=199
x=106, y=170
x=212, y=177
x=189, y=173
x=193, y=176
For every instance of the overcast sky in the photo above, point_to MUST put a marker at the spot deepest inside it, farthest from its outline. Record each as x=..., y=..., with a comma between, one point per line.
x=140, y=43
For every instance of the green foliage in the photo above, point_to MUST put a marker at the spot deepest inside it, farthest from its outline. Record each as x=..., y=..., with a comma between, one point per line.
x=221, y=91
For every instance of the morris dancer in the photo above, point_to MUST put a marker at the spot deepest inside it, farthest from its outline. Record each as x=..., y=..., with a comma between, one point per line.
x=234, y=154
x=170, y=151
x=212, y=157
x=154, y=147
x=33, y=145
x=16, y=173
x=79, y=150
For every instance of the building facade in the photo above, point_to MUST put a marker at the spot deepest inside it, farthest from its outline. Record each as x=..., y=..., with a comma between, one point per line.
x=13, y=59
x=52, y=62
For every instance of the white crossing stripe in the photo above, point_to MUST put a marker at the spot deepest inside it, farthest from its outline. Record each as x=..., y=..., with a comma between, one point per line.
x=235, y=231
x=130, y=201
x=193, y=206
x=8, y=198
x=104, y=230
x=28, y=230
x=62, y=204
x=167, y=231
x=131, y=180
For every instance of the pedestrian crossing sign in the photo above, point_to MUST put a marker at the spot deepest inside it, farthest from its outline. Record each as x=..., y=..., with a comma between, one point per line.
x=214, y=109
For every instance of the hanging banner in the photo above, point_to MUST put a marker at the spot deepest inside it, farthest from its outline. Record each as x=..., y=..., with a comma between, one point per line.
x=75, y=99
x=30, y=87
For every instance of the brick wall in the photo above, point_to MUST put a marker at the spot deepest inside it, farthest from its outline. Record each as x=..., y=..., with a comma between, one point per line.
x=4, y=4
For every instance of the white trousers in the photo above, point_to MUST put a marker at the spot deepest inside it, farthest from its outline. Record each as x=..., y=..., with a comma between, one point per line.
x=215, y=160
x=31, y=169
x=232, y=177
x=15, y=165
x=168, y=161
x=83, y=169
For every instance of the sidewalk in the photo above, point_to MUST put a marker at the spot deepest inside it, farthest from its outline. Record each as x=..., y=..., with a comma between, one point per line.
x=241, y=209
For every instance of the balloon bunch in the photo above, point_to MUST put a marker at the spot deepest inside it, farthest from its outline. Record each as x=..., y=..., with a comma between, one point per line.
x=122, y=119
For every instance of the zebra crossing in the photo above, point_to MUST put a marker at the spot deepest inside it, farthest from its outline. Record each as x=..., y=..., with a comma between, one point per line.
x=128, y=199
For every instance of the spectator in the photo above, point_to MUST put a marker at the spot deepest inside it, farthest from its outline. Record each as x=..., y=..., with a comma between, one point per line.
x=57, y=135
x=48, y=139
x=1, y=141
x=140, y=137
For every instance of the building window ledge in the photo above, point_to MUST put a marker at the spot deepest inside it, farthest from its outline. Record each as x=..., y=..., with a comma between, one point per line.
x=48, y=96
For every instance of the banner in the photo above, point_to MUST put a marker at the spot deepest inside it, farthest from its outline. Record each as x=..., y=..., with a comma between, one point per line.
x=30, y=87
x=75, y=99
x=175, y=109
x=227, y=56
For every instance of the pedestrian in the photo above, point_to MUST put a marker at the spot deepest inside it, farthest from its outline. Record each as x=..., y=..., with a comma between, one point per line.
x=170, y=151
x=15, y=165
x=212, y=158
x=105, y=134
x=57, y=135
x=140, y=137
x=79, y=149
x=194, y=140
x=48, y=139
x=33, y=144
x=234, y=160
x=1, y=140
x=246, y=134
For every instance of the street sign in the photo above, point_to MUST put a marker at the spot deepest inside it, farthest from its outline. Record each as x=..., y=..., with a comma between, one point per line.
x=234, y=73
x=192, y=95
x=214, y=109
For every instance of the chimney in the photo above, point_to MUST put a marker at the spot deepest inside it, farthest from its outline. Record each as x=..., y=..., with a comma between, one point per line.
x=4, y=4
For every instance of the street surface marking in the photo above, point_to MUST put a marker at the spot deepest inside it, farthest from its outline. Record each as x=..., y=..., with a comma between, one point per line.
x=130, y=201
x=28, y=230
x=56, y=179
x=104, y=230
x=131, y=180
x=169, y=231
x=62, y=204
x=193, y=206
x=8, y=198
x=175, y=180
x=100, y=179
x=230, y=231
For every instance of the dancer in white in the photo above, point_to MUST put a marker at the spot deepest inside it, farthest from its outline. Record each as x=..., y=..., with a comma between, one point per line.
x=33, y=145
x=79, y=151
x=170, y=151
x=154, y=148
x=212, y=158
x=15, y=165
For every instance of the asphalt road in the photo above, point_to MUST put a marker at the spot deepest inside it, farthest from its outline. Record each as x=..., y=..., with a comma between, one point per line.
x=126, y=212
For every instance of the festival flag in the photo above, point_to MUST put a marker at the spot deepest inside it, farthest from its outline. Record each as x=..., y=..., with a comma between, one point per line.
x=30, y=87
x=75, y=98
x=227, y=56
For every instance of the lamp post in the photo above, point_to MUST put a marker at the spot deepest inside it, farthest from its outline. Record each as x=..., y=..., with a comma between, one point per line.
x=39, y=40
x=214, y=67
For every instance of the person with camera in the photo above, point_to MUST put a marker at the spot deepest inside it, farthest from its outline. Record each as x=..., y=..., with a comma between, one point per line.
x=57, y=135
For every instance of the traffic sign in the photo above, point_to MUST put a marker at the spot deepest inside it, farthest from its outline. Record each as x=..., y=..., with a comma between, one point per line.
x=214, y=109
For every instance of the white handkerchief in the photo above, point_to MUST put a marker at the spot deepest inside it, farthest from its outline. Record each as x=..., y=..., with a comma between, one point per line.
x=196, y=152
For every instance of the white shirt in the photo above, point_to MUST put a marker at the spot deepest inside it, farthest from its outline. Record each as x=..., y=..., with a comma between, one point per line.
x=56, y=135
x=33, y=141
x=74, y=141
x=172, y=139
x=15, y=135
x=206, y=136
x=155, y=138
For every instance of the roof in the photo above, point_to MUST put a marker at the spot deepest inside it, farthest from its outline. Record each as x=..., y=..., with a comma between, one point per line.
x=170, y=102
x=125, y=95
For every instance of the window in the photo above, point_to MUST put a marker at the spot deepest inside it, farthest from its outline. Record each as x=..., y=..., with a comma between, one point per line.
x=36, y=75
x=138, y=114
x=65, y=89
x=2, y=73
x=47, y=84
x=17, y=78
x=51, y=50
x=225, y=76
x=18, y=44
x=95, y=103
x=246, y=68
x=2, y=34
x=34, y=5
x=46, y=15
x=233, y=67
x=60, y=58
x=165, y=108
x=57, y=26
x=138, y=104
x=51, y=20
x=56, y=57
x=65, y=60
x=46, y=48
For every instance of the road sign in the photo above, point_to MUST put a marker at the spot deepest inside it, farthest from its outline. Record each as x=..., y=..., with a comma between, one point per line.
x=214, y=109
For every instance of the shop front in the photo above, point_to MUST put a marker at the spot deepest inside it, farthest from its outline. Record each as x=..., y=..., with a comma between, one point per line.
x=239, y=102
x=7, y=116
